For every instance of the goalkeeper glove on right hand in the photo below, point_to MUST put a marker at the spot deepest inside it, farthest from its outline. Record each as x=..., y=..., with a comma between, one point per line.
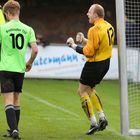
x=80, y=37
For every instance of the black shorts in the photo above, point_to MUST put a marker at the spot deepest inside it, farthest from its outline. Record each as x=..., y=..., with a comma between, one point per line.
x=11, y=81
x=93, y=72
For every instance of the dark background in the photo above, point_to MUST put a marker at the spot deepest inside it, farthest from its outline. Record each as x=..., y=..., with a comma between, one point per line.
x=54, y=21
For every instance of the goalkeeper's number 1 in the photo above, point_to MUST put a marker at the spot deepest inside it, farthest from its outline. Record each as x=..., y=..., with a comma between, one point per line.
x=110, y=33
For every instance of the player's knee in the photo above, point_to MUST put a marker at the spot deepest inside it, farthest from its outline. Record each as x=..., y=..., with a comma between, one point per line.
x=81, y=92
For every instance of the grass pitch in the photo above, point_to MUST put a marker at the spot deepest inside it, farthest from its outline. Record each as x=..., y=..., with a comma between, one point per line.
x=51, y=110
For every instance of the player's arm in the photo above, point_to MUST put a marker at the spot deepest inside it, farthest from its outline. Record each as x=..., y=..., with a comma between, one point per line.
x=2, y=19
x=91, y=44
x=0, y=52
x=70, y=42
x=34, y=50
x=32, y=57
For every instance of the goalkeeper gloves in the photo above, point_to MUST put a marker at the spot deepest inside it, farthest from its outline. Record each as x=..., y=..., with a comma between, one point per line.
x=80, y=38
x=70, y=42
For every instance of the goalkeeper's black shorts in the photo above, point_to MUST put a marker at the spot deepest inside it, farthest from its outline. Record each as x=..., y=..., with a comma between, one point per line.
x=93, y=72
x=11, y=81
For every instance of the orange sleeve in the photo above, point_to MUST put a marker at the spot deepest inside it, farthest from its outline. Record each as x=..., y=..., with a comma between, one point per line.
x=92, y=43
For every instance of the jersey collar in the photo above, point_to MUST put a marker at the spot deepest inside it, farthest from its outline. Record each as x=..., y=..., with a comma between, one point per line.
x=98, y=21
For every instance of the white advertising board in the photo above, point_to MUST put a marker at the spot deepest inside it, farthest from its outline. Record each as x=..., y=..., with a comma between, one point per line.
x=61, y=62
x=56, y=62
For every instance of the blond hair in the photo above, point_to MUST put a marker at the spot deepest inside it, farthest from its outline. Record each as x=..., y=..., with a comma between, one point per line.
x=12, y=7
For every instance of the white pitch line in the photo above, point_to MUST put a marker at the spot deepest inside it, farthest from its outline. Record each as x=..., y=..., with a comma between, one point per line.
x=51, y=105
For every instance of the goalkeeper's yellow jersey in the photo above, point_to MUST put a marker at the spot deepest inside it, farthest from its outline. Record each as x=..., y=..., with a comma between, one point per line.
x=2, y=20
x=100, y=41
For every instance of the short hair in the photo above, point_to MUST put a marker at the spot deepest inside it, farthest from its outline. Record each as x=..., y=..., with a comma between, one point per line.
x=99, y=10
x=11, y=6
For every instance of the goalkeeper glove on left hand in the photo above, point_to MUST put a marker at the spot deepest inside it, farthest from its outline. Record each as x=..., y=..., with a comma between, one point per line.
x=70, y=42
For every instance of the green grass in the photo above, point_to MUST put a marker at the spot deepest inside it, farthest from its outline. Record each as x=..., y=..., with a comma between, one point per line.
x=51, y=110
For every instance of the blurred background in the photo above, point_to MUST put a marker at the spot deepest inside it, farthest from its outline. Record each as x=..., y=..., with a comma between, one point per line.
x=54, y=21
x=52, y=107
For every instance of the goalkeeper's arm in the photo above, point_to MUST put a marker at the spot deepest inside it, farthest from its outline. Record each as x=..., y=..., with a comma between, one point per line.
x=70, y=42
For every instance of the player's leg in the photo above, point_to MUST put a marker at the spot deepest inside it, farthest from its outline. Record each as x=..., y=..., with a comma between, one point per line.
x=9, y=110
x=98, y=105
x=17, y=106
x=86, y=81
x=88, y=107
x=7, y=89
x=100, y=68
x=10, y=115
x=97, y=102
x=18, y=83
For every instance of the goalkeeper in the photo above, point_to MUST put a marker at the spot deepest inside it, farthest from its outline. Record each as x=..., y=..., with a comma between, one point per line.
x=98, y=50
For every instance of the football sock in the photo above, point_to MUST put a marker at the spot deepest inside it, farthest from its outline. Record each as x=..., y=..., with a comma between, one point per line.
x=11, y=117
x=87, y=106
x=17, y=113
x=101, y=115
x=93, y=120
x=97, y=103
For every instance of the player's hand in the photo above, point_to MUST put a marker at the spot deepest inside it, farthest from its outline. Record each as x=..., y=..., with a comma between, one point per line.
x=80, y=37
x=70, y=42
x=28, y=66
